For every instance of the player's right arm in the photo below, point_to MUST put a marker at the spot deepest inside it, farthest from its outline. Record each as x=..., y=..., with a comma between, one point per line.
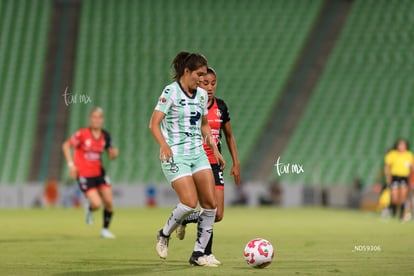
x=155, y=129
x=208, y=138
x=68, y=156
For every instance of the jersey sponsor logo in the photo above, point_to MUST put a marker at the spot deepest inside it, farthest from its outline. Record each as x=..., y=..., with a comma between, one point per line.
x=215, y=131
x=92, y=156
x=195, y=116
x=191, y=134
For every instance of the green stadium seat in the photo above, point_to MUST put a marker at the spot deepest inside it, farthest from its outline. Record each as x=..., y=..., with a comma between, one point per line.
x=364, y=99
x=24, y=27
x=124, y=52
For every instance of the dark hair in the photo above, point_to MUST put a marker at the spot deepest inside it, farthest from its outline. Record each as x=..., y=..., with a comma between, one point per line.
x=210, y=70
x=402, y=140
x=183, y=60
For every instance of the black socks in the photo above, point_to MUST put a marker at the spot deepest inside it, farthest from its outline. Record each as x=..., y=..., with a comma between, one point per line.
x=107, y=216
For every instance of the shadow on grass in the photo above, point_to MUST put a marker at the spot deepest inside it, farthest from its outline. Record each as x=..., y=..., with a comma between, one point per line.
x=123, y=267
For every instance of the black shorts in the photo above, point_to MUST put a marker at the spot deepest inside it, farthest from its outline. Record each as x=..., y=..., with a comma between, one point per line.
x=398, y=181
x=218, y=176
x=87, y=184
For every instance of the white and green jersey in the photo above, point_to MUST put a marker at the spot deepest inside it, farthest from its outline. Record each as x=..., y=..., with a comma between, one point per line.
x=181, y=126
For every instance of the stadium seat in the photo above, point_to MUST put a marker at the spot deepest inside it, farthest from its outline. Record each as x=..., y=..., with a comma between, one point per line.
x=125, y=49
x=24, y=28
x=363, y=101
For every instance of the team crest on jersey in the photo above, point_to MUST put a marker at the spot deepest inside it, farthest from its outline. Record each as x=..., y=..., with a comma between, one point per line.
x=163, y=100
x=88, y=142
x=202, y=99
x=218, y=112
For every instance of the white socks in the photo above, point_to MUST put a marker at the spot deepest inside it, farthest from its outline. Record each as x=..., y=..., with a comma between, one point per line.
x=180, y=212
x=205, y=228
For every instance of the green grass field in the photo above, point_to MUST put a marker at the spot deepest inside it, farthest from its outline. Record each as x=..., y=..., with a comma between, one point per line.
x=306, y=241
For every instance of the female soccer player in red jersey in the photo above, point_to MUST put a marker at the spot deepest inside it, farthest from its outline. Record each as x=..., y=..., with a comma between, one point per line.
x=219, y=120
x=86, y=166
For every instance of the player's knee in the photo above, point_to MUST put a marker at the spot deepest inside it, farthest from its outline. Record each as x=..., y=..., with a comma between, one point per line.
x=209, y=205
x=95, y=205
x=190, y=203
x=108, y=206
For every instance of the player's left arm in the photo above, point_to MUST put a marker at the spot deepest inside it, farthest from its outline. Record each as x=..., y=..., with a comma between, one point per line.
x=208, y=138
x=111, y=150
x=231, y=144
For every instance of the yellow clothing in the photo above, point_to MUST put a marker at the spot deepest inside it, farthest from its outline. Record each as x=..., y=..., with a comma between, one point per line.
x=385, y=198
x=399, y=162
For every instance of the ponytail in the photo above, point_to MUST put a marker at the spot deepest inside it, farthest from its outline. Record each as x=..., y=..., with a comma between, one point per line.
x=191, y=61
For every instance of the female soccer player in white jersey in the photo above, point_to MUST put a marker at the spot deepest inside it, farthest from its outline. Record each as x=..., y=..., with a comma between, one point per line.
x=219, y=120
x=179, y=125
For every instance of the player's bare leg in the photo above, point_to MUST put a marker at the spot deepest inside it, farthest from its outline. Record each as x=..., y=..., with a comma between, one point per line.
x=219, y=191
x=193, y=218
x=409, y=204
x=186, y=191
x=94, y=203
x=106, y=194
x=94, y=199
x=187, y=194
x=411, y=198
x=403, y=190
x=394, y=200
x=204, y=182
x=220, y=203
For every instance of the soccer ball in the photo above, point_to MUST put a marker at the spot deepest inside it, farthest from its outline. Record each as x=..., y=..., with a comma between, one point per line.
x=258, y=253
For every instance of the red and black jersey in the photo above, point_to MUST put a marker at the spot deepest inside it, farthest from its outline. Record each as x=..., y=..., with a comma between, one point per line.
x=88, y=151
x=218, y=115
